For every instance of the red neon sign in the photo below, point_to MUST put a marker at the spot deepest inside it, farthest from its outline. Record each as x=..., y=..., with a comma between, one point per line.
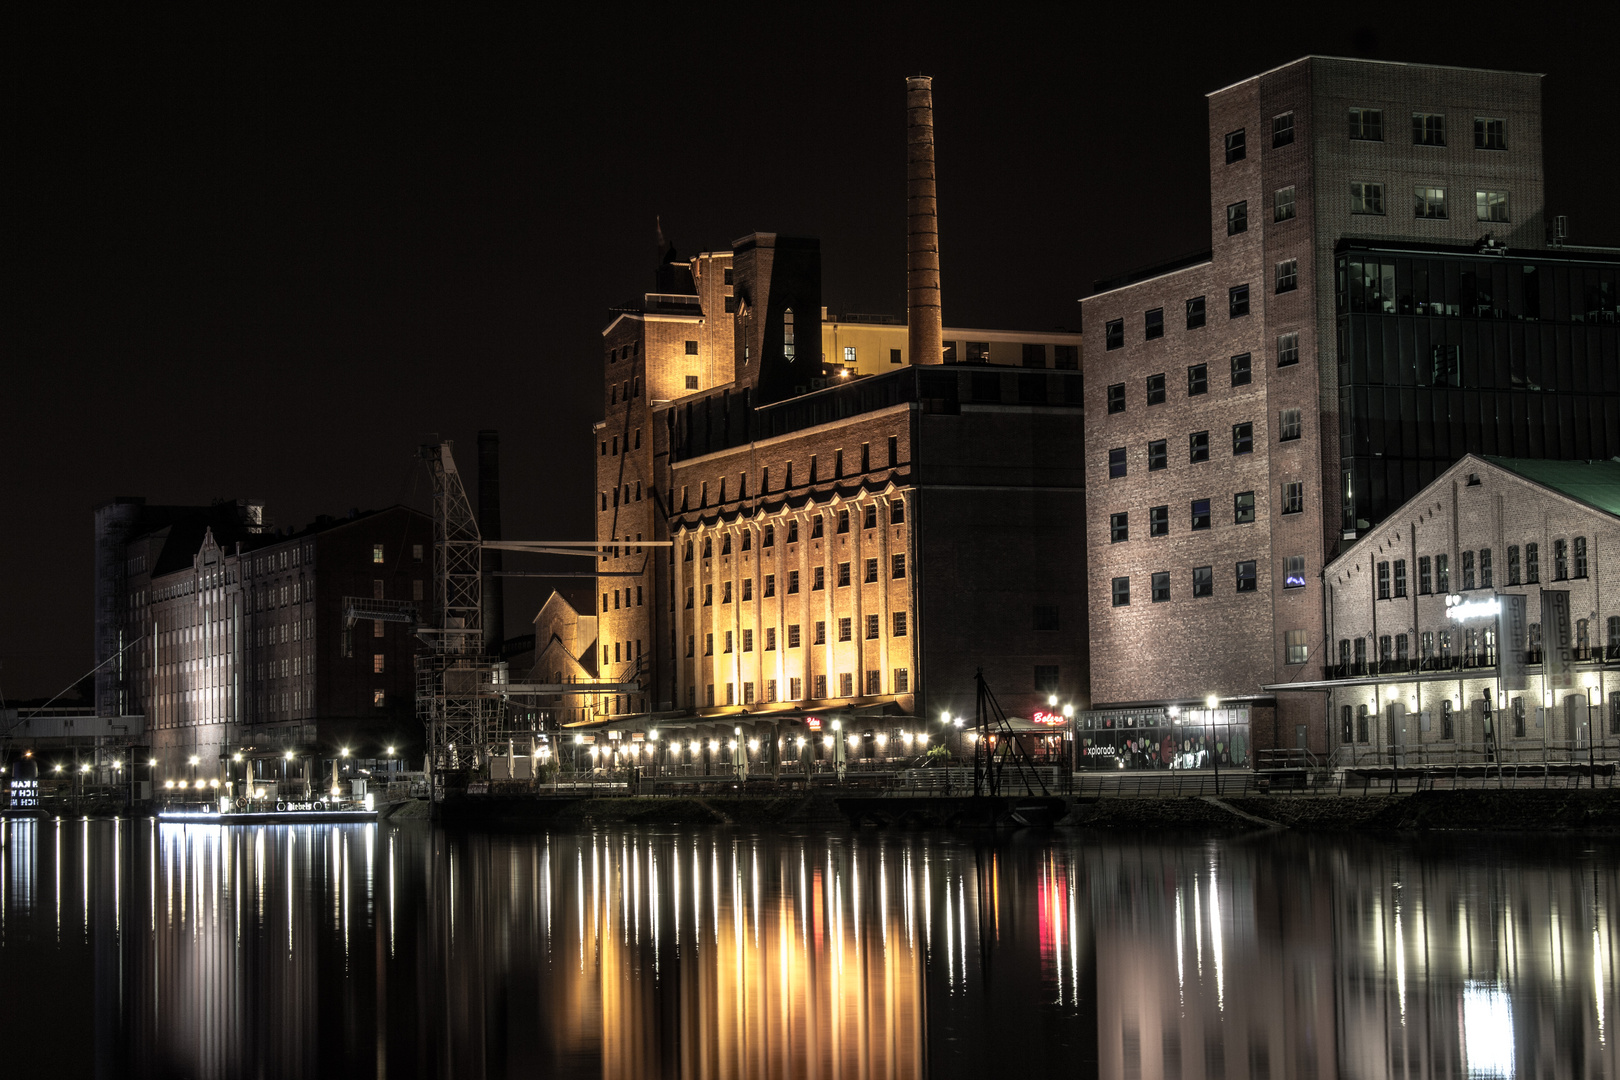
x=1048, y=718
x=813, y=723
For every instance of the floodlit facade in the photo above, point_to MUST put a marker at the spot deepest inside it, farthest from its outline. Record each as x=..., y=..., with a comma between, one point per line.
x=1428, y=664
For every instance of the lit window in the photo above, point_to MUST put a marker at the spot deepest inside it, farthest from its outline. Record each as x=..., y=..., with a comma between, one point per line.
x=376, y=553
x=849, y=354
x=787, y=334
x=1294, y=643
x=1293, y=571
x=1491, y=205
x=378, y=699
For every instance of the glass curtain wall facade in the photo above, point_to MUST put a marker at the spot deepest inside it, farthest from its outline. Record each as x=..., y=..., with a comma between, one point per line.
x=1447, y=353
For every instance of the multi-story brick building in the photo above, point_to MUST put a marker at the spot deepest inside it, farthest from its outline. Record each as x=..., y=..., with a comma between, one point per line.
x=232, y=639
x=1250, y=413
x=865, y=535
x=1415, y=612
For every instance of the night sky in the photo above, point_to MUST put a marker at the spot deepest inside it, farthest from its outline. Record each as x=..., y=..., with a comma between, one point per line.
x=267, y=258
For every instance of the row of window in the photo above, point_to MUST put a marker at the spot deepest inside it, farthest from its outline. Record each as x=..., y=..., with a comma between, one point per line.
x=614, y=444
x=873, y=628
x=818, y=581
x=1237, y=306
x=1289, y=426
x=1064, y=357
x=765, y=474
x=1119, y=525
x=1477, y=569
x=1475, y=643
x=846, y=688
x=1203, y=580
x=1367, y=125
x=869, y=520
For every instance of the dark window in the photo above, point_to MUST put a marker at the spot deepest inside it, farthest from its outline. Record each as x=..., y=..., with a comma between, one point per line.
x=1046, y=678
x=870, y=575
x=843, y=521
x=1116, y=398
x=1158, y=455
x=1116, y=463
x=1122, y=591
x=1119, y=528
x=691, y=348
x=1203, y=581
x=1425, y=577
x=1235, y=146
x=1198, y=446
x=1161, y=586
x=1400, y=577
x=897, y=512
x=1428, y=129
x=1368, y=125
x=1155, y=389
x=1066, y=357
x=1580, y=557
x=1282, y=204
x=1293, y=498
x=1240, y=370
x=1560, y=560
x=1034, y=355
x=894, y=356
x=1288, y=425
x=1442, y=573
x=1243, y=508
x=1428, y=202
x=1366, y=197
x=1288, y=348
x=843, y=574
x=1532, y=563
x=1237, y=301
x=1287, y=275
x=1383, y=581
x=1490, y=133
x=1245, y=576
x=1485, y=576
x=1046, y=618
x=1153, y=324
x=1115, y=333
x=1242, y=439
x=1195, y=313
x=691, y=382
x=1200, y=514
x=1197, y=380
x=1158, y=521
x=1513, y=564
x=1282, y=130
x=897, y=565
x=818, y=578
x=817, y=525
x=1237, y=218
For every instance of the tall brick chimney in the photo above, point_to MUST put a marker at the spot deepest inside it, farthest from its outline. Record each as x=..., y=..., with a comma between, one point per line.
x=925, y=329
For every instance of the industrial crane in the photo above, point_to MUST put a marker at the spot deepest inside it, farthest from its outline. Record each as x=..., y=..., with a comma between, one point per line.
x=463, y=694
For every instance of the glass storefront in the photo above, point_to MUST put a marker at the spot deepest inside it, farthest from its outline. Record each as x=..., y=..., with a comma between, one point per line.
x=1155, y=739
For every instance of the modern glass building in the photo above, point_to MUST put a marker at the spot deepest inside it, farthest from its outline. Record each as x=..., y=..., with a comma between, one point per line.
x=1448, y=351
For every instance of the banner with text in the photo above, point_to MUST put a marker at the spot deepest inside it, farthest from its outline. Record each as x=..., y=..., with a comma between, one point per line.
x=1557, y=645
x=1511, y=643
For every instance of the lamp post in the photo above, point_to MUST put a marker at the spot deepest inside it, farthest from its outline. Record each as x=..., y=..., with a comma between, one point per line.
x=1594, y=699
x=1212, y=702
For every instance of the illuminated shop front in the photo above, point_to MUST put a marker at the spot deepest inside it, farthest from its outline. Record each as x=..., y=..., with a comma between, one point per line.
x=1163, y=737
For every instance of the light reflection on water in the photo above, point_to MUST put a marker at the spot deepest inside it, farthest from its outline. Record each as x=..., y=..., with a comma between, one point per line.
x=129, y=947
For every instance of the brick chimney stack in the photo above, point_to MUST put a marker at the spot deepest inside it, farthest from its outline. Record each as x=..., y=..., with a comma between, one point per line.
x=925, y=329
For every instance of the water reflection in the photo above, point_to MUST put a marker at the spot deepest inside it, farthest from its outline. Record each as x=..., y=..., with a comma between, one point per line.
x=353, y=950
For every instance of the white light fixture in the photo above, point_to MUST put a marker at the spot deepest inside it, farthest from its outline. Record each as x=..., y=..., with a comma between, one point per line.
x=1212, y=702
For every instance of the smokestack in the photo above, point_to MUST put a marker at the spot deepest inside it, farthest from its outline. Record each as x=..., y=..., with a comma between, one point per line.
x=489, y=526
x=925, y=330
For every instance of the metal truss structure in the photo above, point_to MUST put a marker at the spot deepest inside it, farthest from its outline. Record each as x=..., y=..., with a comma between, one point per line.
x=995, y=747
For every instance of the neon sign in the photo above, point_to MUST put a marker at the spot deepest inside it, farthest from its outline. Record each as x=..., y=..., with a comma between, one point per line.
x=1049, y=718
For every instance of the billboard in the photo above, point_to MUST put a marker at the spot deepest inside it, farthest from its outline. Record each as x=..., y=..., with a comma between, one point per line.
x=1511, y=642
x=1557, y=645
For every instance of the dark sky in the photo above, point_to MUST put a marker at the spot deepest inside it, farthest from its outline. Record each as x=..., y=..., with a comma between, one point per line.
x=267, y=258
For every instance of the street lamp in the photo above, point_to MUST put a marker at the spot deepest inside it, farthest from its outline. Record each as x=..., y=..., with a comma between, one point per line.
x=1594, y=699
x=1212, y=702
